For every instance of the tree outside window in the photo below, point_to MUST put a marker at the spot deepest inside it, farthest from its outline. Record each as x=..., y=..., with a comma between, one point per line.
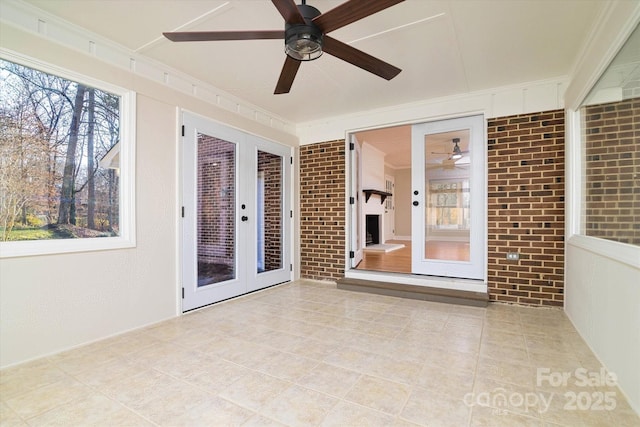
x=59, y=151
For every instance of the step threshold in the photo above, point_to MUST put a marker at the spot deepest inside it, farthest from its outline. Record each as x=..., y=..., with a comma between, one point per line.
x=419, y=292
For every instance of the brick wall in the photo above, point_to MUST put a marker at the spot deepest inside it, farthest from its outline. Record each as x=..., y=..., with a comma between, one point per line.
x=322, y=210
x=526, y=208
x=612, y=170
x=216, y=200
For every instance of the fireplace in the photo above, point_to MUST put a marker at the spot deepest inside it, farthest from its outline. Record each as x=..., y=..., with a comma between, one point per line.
x=372, y=229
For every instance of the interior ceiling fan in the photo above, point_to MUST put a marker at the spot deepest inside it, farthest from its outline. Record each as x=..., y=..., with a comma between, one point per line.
x=452, y=157
x=305, y=37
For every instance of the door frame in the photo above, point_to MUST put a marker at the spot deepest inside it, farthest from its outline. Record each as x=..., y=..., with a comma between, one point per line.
x=403, y=278
x=247, y=277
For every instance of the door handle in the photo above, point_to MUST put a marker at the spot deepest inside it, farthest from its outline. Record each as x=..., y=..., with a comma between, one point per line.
x=244, y=218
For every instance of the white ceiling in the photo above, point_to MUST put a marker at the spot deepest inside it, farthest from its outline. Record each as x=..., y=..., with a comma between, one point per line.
x=444, y=47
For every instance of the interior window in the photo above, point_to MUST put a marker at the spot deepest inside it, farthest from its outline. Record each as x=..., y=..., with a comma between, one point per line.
x=611, y=154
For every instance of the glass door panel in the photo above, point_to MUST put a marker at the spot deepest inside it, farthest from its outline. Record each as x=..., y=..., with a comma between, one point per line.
x=269, y=218
x=447, y=225
x=216, y=214
x=269, y=243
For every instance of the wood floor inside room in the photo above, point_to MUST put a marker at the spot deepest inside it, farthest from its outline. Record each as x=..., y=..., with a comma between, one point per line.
x=399, y=260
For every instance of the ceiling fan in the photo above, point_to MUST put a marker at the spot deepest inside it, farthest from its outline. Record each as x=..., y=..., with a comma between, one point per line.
x=452, y=157
x=305, y=37
x=457, y=153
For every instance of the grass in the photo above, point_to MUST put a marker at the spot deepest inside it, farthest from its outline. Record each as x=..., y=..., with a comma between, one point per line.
x=35, y=233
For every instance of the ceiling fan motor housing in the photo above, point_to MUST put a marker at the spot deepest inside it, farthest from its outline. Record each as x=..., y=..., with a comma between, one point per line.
x=303, y=42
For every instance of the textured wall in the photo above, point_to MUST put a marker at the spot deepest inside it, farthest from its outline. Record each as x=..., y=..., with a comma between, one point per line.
x=526, y=208
x=322, y=210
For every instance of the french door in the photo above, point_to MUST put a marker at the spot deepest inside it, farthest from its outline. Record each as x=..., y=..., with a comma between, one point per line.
x=448, y=178
x=236, y=212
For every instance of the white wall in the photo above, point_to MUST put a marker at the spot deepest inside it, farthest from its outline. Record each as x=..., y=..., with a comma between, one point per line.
x=403, y=203
x=602, y=279
x=372, y=168
x=603, y=302
x=55, y=302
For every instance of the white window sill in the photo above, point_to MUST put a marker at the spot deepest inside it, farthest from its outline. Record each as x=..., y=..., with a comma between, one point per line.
x=621, y=252
x=60, y=246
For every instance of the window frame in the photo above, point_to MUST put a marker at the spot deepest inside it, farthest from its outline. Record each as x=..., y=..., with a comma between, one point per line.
x=127, y=214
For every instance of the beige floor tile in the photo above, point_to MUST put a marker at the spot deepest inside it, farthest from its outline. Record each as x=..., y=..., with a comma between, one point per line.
x=379, y=394
x=95, y=410
x=137, y=389
x=48, y=397
x=394, y=369
x=503, y=338
x=253, y=390
x=497, y=323
x=330, y=379
x=287, y=366
x=459, y=319
x=483, y=416
x=391, y=319
x=314, y=348
x=428, y=408
x=458, y=342
x=215, y=377
x=258, y=420
x=9, y=418
x=455, y=384
x=368, y=342
x=451, y=360
x=21, y=379
x=402, y=350
x=349, y=414
x=298, y=406
x=170, y=401
x=501, y=352
x=351, y=358
x=509, y=372
x=214, y=411
x=356, y=359
x=543, y=343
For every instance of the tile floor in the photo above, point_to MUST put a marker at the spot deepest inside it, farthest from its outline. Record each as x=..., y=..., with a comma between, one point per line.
x=308, y=354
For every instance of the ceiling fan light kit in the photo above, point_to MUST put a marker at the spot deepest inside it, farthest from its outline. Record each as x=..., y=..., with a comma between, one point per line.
x=303, y=42
x=305, y=37
x=457, y=153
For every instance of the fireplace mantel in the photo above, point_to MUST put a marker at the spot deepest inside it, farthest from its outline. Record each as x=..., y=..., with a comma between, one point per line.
x=383, y=195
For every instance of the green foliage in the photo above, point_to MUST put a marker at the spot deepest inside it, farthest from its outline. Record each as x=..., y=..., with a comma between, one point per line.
x=33, y=221
x=31, y=234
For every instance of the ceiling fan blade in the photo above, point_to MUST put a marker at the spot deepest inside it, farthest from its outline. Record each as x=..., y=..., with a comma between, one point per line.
x=289, y=11
x=350, y=11
x=359, y=58
x=288, y=73
x=200, y=36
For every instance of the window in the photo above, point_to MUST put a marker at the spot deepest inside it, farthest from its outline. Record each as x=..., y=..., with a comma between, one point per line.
x=66, y=156
x=610, y=119
x=448, y=205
